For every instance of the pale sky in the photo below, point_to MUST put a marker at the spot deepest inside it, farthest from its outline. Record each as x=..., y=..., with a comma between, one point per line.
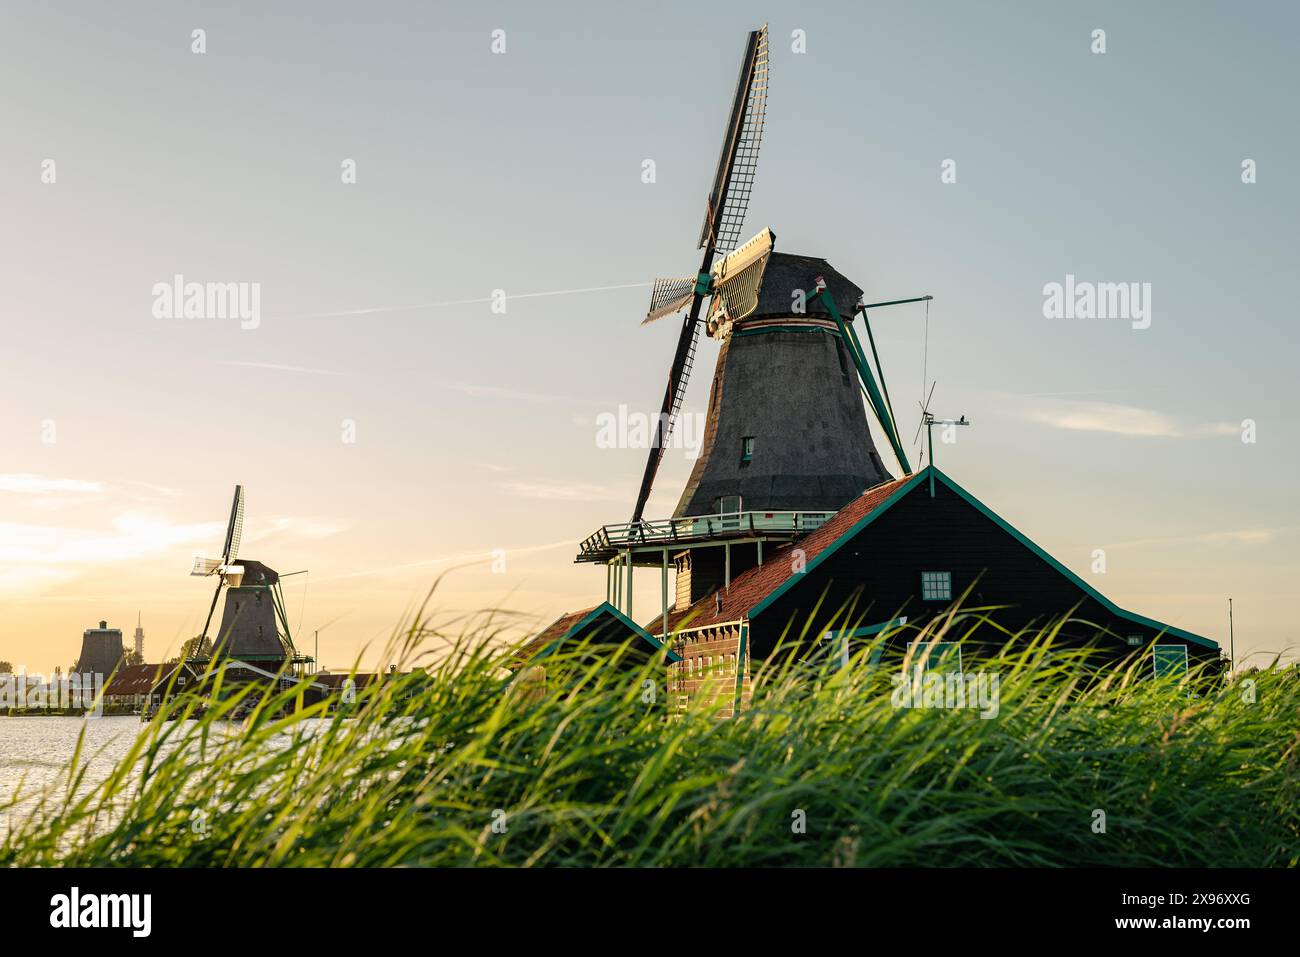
x=123, y=434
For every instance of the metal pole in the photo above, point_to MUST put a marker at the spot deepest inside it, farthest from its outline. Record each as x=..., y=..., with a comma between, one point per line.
x=929, y=436
x=893, y=302
x=1232, y=645
x=629, y=584
x=663, y=588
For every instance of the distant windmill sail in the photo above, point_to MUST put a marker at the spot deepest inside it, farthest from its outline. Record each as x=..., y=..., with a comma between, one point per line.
x=724, y=219
x=235, y=528
x=224, y=567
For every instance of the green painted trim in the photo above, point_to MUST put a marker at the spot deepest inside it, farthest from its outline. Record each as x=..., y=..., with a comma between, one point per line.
x=740, y=669
x=866, y=630
x=868, y=381
x=1006, y=527
x=622, y=618
x=829, y=550
x=880, y=371
x=759, y=331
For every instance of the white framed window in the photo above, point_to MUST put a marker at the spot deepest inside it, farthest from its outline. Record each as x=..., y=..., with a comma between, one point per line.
x=935, y=656
x=729, y=504
x=1169, y=661
x=936, y=586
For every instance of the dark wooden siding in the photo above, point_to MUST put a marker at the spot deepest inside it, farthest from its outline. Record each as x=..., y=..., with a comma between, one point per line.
x=879, y=575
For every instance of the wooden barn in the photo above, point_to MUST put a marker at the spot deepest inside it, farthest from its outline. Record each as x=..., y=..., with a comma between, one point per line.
x=907, y=549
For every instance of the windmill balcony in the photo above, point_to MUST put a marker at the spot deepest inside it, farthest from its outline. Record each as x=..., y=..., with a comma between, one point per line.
x=609, y=540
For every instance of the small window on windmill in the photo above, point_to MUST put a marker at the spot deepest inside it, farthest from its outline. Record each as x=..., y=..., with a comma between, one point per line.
x=728, y=504
x=1134, y=640
x=844, y=366
x=936, y=586
x=746, y=450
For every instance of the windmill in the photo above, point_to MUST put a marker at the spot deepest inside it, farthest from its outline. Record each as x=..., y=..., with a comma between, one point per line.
x=787, y=443
x=762, y=306
x=254, y=623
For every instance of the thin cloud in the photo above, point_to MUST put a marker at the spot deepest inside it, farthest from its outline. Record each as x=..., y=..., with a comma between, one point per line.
x=508, y=394
x=1241, y=536
x=130, y=537
x=289, y=525
x=461, y=558
x=277, y=367
x=561, y=491
x=377, y=310
x=25, y=483
x=1116, y=419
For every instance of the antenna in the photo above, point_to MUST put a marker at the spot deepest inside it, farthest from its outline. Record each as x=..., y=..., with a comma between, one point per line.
x=724, y=218
x=1232, y=644
x=928, y=420
x=925, y=411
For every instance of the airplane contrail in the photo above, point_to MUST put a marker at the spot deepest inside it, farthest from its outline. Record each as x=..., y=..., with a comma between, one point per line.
x=372, y=310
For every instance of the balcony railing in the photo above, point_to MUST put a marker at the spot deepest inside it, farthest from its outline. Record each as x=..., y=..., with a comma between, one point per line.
x=611, y=538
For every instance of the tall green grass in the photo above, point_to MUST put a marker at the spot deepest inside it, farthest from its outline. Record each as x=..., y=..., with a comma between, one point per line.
x=469, y=766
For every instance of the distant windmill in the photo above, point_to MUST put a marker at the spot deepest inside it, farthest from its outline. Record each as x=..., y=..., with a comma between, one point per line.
x=224, y=568
x=254, y=624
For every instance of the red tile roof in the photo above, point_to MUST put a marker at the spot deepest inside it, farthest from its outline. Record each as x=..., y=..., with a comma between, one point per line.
x=136, y=679
x=753, y=585
x=359, y=680
x=553, y=632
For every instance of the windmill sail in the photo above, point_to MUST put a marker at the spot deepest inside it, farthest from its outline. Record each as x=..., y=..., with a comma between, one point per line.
x=724, y=216
x=236, y=527
x=669, y=296
x=737, y=278
x=723, y=221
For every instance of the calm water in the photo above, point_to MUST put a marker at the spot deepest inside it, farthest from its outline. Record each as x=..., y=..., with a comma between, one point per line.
x=35, y=753
x=39, y=749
